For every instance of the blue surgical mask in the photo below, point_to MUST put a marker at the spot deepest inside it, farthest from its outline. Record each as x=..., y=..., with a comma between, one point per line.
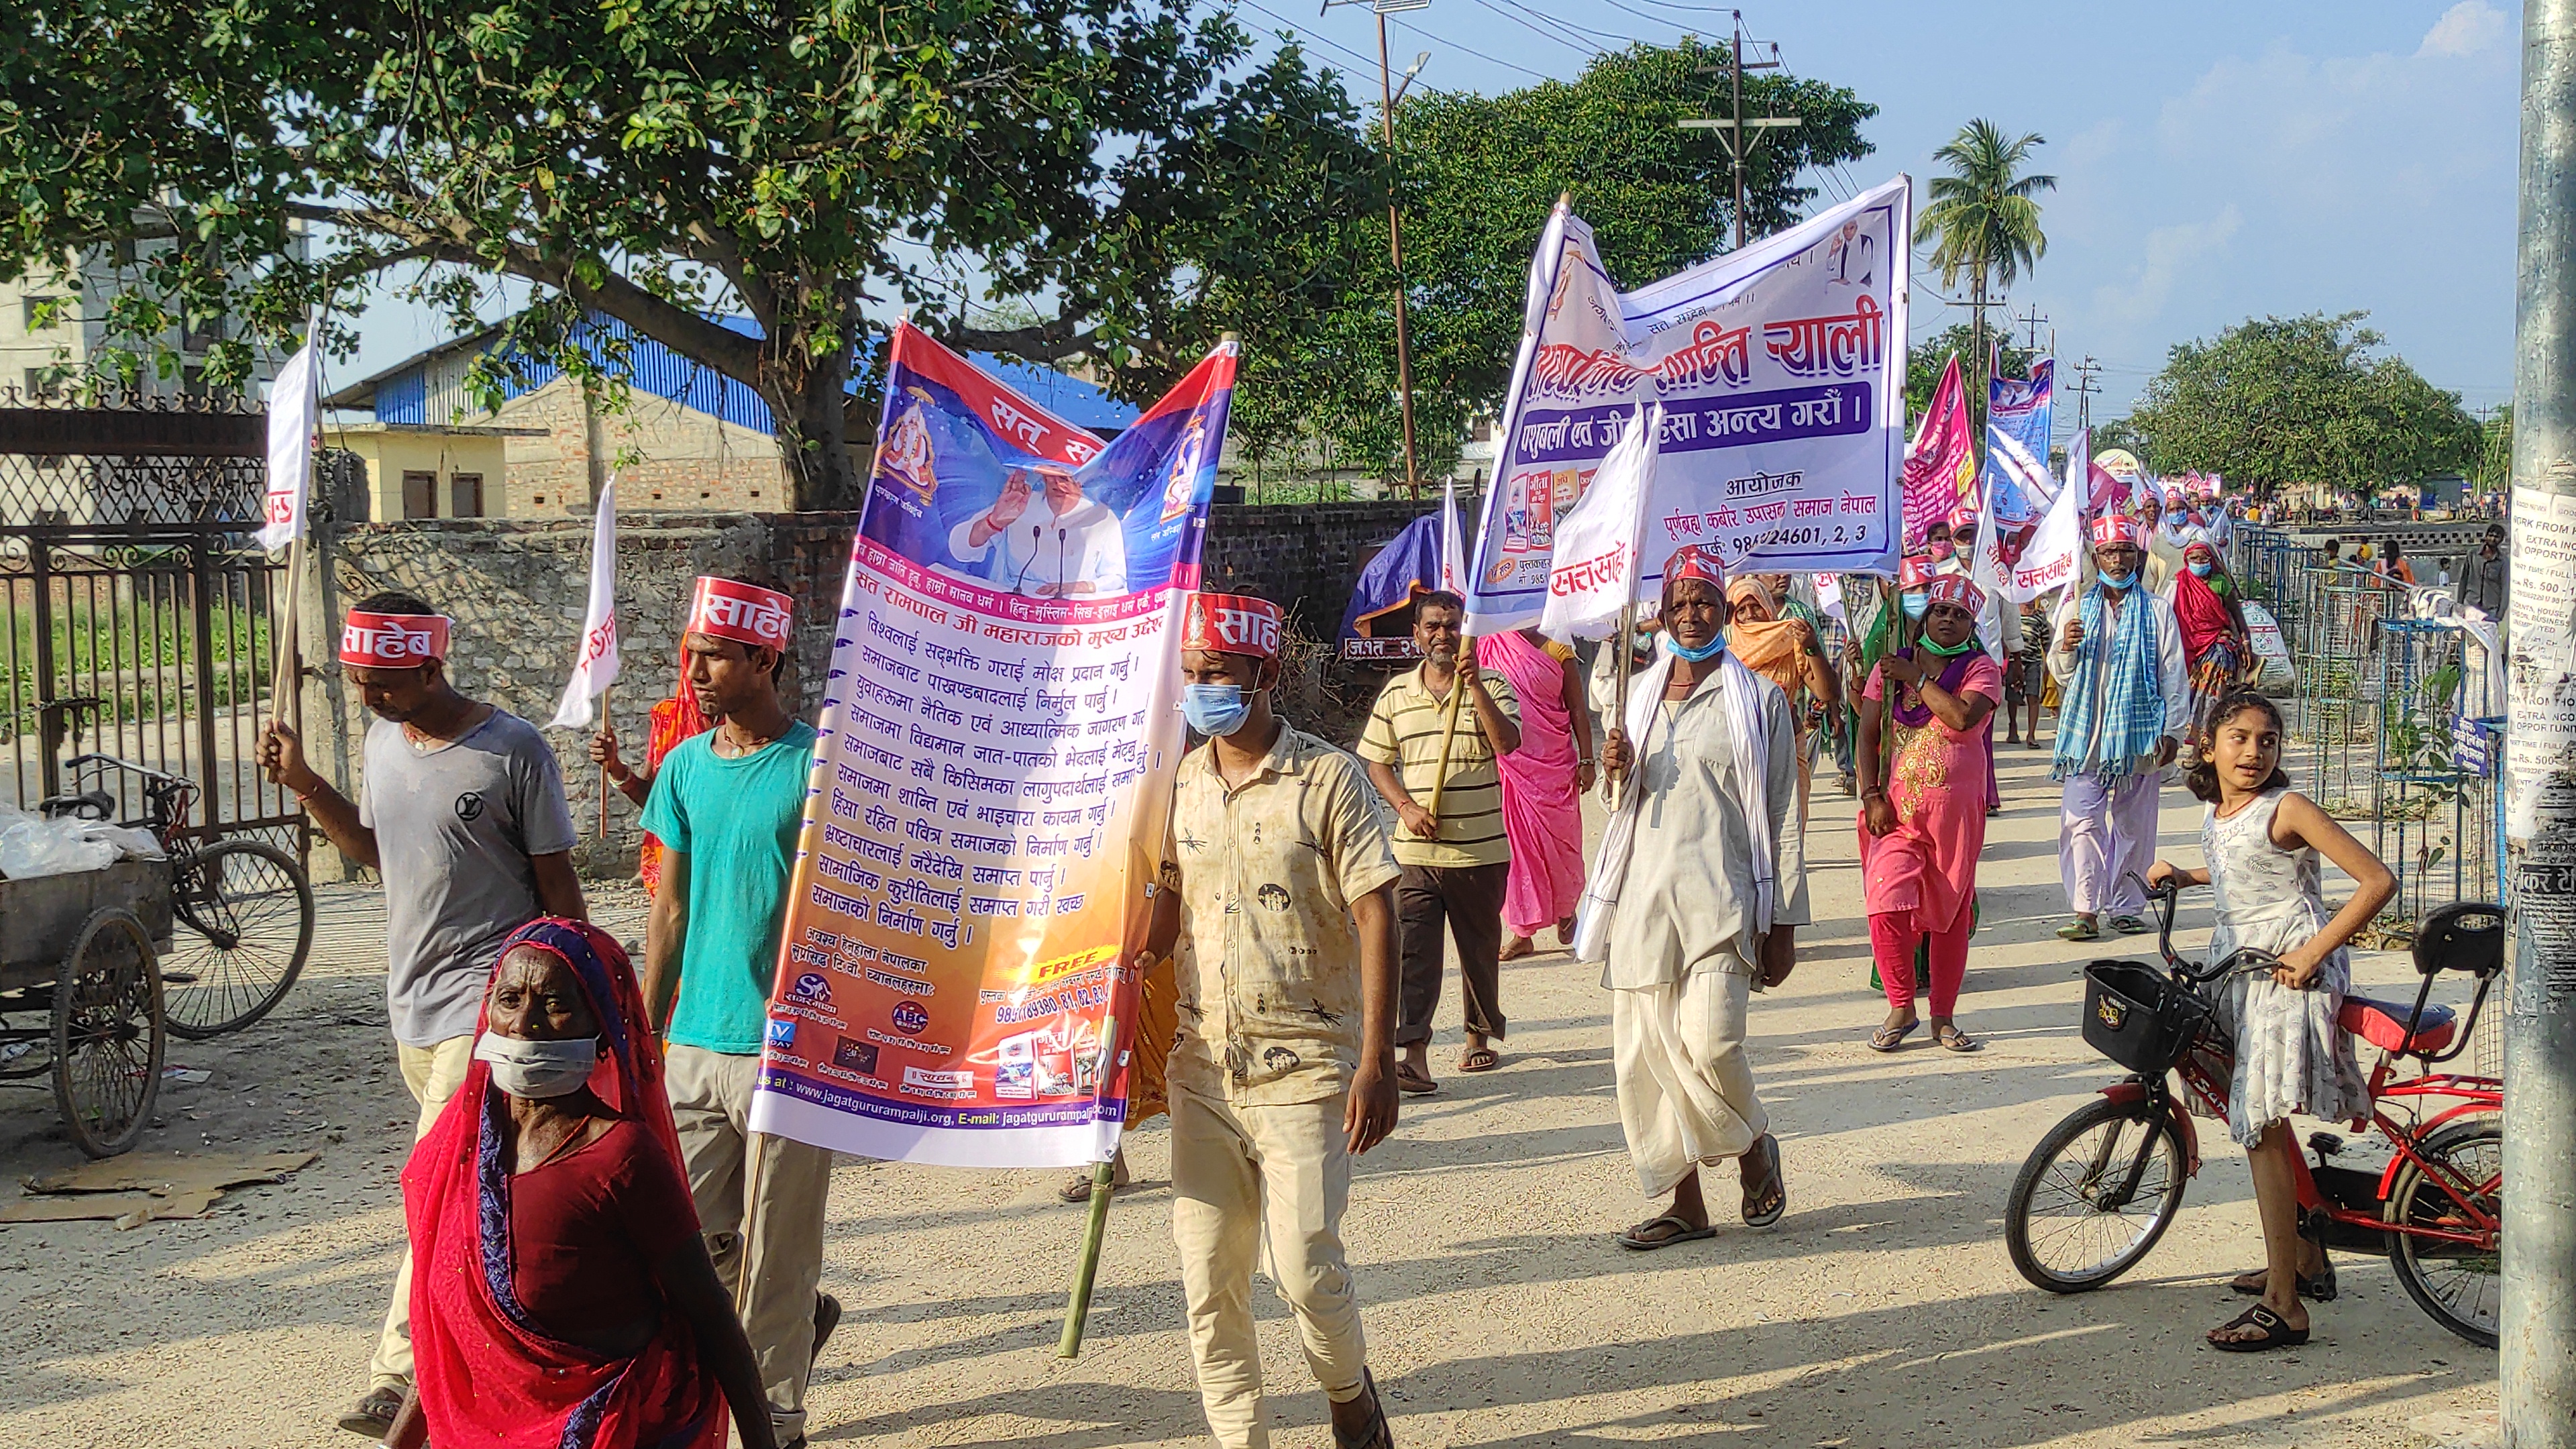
x=1700, y=655
x=1215, y=709
x=2200, y=568
x=2121, y=582
x=1916, y=605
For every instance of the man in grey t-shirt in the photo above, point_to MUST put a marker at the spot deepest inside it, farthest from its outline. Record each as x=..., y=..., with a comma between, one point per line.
x=464, y=815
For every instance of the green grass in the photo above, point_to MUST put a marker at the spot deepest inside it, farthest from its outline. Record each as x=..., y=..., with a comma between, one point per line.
x=138, y=655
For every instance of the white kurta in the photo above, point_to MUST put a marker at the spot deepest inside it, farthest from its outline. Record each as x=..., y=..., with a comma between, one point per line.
x=2105, y=831
x=1084, y=544
x=1683, y=945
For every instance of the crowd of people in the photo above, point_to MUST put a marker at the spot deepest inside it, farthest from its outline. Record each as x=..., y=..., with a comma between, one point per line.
x=603, y=1252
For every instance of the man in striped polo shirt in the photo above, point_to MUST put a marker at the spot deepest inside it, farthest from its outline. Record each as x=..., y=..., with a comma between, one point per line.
x=1455, y=864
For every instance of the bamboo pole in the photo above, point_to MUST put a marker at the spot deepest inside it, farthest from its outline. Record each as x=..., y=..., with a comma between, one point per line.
x=1449, y=728
x=605, y=784
x=1625, y=641
x=286, y=671
x=1077, y=1309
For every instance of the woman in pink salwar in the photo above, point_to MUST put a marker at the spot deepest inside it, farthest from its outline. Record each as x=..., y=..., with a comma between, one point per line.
x=1923, y=772
x=1543, y=785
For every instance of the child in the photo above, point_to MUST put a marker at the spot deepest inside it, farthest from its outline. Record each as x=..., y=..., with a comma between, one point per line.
x=2262, y=839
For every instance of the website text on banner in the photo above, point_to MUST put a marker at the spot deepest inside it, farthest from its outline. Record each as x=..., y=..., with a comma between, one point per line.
x=1780, y=369
x=993, y=776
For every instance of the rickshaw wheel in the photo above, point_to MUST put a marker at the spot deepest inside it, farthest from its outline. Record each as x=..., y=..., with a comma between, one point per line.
x=108, y=1033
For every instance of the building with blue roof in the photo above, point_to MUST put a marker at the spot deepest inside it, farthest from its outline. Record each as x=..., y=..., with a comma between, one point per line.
x=687, y=438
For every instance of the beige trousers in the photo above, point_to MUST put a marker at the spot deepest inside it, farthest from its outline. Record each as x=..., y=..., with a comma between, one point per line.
x=1686, y=1093
x=433, y=1074
x=777, y=1238
x=1265, y=1186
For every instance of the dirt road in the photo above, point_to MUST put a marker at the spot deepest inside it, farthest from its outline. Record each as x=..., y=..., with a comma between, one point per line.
x=1881, y=1311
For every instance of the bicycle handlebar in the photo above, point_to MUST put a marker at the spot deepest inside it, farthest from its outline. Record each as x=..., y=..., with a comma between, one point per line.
x=2244, y=958
x=76, y=761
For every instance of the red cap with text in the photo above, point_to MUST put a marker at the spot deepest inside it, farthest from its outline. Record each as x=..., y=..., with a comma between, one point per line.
x=2113, y=528
x=392, y=641
x=1956, y=589
x=1231, y=624
x=1690, y=561
x=1915, y=571
x=746, y=613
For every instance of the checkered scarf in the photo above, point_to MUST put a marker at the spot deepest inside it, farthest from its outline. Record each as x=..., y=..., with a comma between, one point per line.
x=2128, y=720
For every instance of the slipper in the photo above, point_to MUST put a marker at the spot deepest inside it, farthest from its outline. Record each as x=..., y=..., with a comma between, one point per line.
x=2034, y=742
x=1409, y=1078
x=1950, y=1038
x=1515, y=948
x=1482, y=1059
x=2079, y=931
x=2130, y=925
x=1769, y=1147
x=1636, y=1241
x=1076, y=1187
x=1889, y=1038
x=2319, y=1289
x=2277, y=1333
x=1378, y=1435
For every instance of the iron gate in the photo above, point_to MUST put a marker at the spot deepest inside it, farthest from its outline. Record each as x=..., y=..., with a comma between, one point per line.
x=136, y=607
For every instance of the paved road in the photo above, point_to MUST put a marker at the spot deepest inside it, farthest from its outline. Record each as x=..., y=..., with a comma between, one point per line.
x=1882, y=1311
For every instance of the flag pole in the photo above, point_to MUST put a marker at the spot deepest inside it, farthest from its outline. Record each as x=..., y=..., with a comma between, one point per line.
x=1626, y=644
x=604, y=784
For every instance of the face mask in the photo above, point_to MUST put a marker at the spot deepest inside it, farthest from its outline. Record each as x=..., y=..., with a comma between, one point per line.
x=1940, y=548
x=2200, y=568
x=538, y=1069
x=1700, y=655
x=1948, y=651
x=1215, y=709
x=1916, y=605
x=2121, y=582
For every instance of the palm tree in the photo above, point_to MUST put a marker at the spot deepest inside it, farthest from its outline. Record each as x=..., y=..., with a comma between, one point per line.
x=1986, y=218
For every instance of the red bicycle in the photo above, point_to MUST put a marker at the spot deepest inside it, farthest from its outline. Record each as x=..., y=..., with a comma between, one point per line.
x=2101, y=1188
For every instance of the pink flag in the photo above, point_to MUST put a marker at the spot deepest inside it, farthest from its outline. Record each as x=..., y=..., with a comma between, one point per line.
x=1940, y=463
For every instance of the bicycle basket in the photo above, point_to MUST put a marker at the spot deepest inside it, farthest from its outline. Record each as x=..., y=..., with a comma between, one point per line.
x=2138, y=1016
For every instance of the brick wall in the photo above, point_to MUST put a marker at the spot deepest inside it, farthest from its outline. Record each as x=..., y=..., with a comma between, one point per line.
x=517, y=588
x=678, y=458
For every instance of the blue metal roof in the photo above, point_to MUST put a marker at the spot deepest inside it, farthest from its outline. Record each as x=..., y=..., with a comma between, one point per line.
x=402, y=394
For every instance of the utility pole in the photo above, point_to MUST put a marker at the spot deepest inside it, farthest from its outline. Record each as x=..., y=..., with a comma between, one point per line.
x=1388, y=93
x=2537, y=1320
x=1742, y=136
x=2085, y=386
x=2030, y=318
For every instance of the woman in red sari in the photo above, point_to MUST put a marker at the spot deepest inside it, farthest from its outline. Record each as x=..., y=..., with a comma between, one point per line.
x=564, y=1299
x=2216, y=645
x=1543, y=785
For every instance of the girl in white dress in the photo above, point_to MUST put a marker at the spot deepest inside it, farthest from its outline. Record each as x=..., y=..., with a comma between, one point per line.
x=2262, y=840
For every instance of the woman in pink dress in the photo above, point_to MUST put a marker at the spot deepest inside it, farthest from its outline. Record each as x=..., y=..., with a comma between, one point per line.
x=1543, y=785
x=1923, y=774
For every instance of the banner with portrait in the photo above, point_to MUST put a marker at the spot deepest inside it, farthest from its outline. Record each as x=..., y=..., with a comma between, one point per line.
x=1780, y=369
x=993, y=776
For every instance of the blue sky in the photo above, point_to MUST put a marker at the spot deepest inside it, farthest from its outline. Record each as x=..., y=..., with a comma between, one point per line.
x=2214, y=161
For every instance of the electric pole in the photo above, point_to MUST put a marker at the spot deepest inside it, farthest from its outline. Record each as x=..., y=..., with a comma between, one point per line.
x=2085, y=386
x=2537, y=1320
x=1741, y=136
x=1388, y=93
x=2031, y=318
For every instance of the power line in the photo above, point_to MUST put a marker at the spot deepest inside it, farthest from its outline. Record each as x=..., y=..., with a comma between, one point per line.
x=1599, y=38
x=1470, y=50
x=1581, y=49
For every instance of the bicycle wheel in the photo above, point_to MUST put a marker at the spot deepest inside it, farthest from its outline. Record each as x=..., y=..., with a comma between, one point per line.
x=2460, y=1284
x=108, y=1038
x=2095, y=1195
x=244, y=923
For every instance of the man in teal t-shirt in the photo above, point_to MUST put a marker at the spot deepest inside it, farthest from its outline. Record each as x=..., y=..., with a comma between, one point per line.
x=726, y=806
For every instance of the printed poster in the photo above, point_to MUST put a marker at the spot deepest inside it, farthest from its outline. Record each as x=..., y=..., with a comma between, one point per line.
x=993, y=776
x=1940, y=463
x=1780, y=369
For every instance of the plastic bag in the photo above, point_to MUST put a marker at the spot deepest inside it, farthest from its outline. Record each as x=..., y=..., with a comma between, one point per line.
x=2277, y=673
x=33, y=848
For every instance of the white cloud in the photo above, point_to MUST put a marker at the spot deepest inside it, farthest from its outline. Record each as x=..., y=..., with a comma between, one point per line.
x=2466, y=29
x=2173, y=253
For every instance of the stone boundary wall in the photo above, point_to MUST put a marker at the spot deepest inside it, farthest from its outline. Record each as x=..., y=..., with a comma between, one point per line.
x=517, y=589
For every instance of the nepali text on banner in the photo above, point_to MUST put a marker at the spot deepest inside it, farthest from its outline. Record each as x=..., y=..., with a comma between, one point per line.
x=1780, y=369
x=993, y=776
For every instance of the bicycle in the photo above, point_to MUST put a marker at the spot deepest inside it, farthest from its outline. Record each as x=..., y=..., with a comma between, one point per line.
x=246, y=905
x=2082, y=1213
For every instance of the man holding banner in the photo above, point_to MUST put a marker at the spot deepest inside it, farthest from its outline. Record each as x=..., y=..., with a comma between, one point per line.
x=1279, y=890
x=726, y=806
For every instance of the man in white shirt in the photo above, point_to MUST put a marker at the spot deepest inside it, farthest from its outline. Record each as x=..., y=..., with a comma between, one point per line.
x=1054, y=545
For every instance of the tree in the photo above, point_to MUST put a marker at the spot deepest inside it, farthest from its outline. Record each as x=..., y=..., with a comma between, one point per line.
x=817, y=164
x=2276, y=401
x=1478, y=175
x=1925, y=359
x=2495, y=451
x=1985, y=217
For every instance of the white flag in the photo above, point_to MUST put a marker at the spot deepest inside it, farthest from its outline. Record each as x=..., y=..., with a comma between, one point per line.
x=1593, y=568
x=1453, y=555
x=293, y=413
x=594, y=668
x=2047, y=561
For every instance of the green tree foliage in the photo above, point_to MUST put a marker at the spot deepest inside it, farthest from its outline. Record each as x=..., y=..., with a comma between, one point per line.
x=2495, y=451
x=2277, y=400
x=1478, y=175
x=1983, y=221
x=815, y=163
x=1925, y=359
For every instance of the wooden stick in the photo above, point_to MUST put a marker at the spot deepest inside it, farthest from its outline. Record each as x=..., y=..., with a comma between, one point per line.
x=1625, y=641
x=605, y=784
x=1077, y=1310
x=286, y=671
x=750, y=1195
x=1449, y=728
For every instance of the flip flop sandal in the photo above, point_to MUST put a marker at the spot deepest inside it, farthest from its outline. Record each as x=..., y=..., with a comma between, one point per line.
x=1377, y=1435
x=2319, y=1289
x=1515, y=948
x=1407, y=1079
x=2277, y=1333
x=1889, y=1038
x=1636, y=1241
x=1953, y=1039
x=2079, y=931
x=1484, y=1059
x=2130, y=925
x=1769, y=1147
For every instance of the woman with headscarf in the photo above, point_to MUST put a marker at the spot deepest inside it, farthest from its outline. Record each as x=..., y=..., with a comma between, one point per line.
x=1543, y=785
x=1786, y=652
x=564, y=1297
x=670, y=722
x=2216, y=643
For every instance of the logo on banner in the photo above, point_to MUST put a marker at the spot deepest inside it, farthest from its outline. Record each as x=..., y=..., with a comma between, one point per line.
x=782, y=1032
x=855, y=1056
x=811, y=989
x=909, y=1018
